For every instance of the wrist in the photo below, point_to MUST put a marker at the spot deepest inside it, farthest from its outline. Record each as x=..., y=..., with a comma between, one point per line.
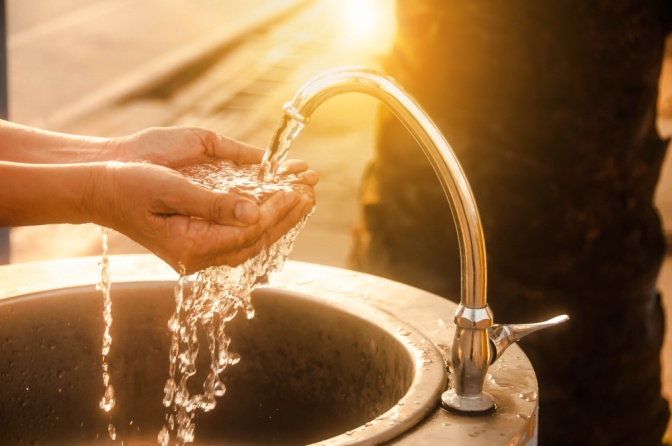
x=117, y=149
x=97, y=199
x=34, y=194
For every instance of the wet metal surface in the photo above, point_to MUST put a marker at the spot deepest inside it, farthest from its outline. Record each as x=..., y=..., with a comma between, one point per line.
x=342, y=298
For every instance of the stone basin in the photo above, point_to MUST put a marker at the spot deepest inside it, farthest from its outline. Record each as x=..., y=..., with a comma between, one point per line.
x=327, y=359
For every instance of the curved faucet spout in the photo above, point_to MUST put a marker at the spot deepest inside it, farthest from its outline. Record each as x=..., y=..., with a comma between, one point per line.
x=354, y=79
x=472, y=350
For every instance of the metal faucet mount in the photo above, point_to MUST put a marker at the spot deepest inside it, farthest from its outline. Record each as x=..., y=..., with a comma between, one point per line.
x=477, y=342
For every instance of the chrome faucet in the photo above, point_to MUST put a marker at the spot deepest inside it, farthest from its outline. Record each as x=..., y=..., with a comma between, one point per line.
x=477, y=342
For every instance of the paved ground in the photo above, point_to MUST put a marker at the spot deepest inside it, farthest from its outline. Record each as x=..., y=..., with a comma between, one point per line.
x=342, y=129
x=97, y=51
x=58, y=81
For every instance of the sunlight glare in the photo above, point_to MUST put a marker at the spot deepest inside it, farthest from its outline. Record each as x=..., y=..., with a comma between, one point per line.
x=368, y=22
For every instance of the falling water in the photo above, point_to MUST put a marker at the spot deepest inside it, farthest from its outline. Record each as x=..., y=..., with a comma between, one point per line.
x=108, y=401
x=288, y=128
x=216, y=295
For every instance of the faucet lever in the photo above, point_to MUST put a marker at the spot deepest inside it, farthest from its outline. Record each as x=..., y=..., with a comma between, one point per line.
x=503, y=335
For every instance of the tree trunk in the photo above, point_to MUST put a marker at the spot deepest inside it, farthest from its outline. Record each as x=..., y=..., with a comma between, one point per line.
x=550, y=108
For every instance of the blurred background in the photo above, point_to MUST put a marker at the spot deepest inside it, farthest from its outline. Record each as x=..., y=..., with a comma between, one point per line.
x=113, y=67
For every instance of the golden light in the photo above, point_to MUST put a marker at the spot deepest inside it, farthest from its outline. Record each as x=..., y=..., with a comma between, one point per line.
x=368, y=23
x=361, y=16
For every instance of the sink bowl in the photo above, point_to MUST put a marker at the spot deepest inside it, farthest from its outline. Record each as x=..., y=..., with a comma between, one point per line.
x=313, y=368
x=332, y=357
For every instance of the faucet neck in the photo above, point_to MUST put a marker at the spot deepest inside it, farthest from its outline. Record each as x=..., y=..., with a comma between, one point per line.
x=453, y=180
x=472, y=350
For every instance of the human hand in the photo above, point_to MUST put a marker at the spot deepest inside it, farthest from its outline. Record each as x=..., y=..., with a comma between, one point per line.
x=190, y=226
x=176, y=147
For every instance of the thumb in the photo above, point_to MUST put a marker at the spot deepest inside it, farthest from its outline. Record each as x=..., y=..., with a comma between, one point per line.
x=218, y=207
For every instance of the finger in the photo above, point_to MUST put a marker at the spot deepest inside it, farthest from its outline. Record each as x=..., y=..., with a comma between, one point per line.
x=298, y=169
x=284, y=220
x=308, y=178
x=223, y=147
x=217, y=207
x=277, y=206
x=197, y=244
x=273, y=211
x=226, y=239
x=225, y=245
x=292, y=167
x=293, y=216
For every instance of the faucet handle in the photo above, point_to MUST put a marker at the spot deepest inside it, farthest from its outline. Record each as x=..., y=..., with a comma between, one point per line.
x=502, y=336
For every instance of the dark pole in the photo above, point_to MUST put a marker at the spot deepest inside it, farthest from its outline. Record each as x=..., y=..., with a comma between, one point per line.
x=4, y=232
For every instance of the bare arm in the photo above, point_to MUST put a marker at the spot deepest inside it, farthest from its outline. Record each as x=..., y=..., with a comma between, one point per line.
x=34, y=194
x=165, y=146
x=48, y=177
x=24, y=144
x=182, y=223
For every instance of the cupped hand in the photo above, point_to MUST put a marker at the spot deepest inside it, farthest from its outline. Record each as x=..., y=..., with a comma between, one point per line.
x=190, y=226
x=177, y=147
x=180, y=146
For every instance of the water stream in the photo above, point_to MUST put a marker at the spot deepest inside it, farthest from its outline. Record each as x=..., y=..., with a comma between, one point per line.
x=288, y=128
x=204, y=303
x=108, y=401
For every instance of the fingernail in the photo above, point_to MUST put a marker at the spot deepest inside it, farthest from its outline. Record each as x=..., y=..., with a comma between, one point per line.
x=246, y=212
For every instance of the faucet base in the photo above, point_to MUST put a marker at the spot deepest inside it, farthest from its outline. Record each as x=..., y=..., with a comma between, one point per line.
x=481, y=404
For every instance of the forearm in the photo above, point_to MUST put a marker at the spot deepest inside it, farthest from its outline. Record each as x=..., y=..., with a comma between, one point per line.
x=22, y=144
x=35, y=194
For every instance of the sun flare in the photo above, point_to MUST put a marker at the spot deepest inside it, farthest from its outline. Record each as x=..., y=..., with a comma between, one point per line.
x=368, y=22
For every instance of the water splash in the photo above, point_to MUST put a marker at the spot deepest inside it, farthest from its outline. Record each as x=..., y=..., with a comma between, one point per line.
x=164, y=436
x=216, y=296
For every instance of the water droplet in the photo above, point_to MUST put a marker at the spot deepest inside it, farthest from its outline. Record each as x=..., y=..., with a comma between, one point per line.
x=403, y=331
x=108, y=401
x=169, y=392
x=529, y=396
x=164, y=436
